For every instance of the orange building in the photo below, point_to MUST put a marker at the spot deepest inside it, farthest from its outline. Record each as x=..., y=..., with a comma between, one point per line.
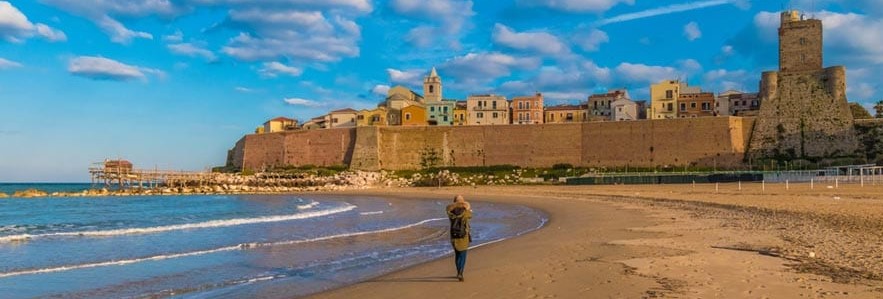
x=414, y=115
x=527, y=110
x=696, y=104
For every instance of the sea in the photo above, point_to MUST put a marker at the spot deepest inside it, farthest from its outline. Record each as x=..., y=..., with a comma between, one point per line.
x=225, y=246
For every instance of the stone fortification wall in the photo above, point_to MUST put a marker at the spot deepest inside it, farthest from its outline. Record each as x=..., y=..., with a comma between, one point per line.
x=804, y=115
x=706, y=142
x=315, y=147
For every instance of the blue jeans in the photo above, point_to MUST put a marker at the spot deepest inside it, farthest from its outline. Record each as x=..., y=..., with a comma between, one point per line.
x=460, y=261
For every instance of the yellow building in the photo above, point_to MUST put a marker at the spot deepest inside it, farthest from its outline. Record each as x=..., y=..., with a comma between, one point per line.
x=375, y=117
x=461, y=115
x=280, y=124
x=414, y=115
x=664, y=98
x=563, y=114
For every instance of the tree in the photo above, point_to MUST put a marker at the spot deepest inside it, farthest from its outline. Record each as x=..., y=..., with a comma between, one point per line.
x=859, y=112
x=879, y=108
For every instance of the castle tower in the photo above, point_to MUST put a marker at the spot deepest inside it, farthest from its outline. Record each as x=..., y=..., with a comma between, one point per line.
x=432, y=87
x=800, y=43
x=804, y=114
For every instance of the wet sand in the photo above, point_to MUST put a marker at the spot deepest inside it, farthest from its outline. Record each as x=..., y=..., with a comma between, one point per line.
x=684, y=241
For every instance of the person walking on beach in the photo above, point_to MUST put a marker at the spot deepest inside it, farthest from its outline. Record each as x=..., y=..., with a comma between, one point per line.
x=460, y=213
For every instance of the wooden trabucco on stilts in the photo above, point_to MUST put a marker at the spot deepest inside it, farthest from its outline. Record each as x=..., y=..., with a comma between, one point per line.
x=121, y=174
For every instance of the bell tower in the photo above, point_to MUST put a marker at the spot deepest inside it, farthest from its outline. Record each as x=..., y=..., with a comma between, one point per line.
x=432, y=87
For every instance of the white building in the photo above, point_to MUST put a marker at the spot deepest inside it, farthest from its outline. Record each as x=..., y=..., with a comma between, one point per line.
x=623, y=109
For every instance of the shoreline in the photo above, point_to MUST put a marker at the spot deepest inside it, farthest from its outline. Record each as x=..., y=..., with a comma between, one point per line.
x=652, y=241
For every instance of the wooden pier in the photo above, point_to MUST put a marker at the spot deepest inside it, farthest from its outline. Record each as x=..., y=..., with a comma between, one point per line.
x=121, y=174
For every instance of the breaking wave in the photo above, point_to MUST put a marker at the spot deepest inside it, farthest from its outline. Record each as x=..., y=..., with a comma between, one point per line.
x=167, y=228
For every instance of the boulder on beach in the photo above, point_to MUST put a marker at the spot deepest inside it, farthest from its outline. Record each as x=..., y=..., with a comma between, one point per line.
x=29, y=193
x=3, y=195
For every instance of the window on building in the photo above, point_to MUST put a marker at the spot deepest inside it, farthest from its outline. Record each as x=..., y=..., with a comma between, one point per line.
x=446, y=118
x=595, y=103
x=669, y=94
x=431, y=109
x=495, y=115
x=445, y=109
x=407, y=116
x=480, y=115
x=479, y=104
x=536, y=104
x=520, y=105
x=360, y=117
x=334, y=120
x=431, y=88
x=669, y=107
x=683, y=106
x=526, y=105
x=569, y=117
x=693, y=105
x=536, y=115
x=494, y=106
x=375, y=118
x=706, y=106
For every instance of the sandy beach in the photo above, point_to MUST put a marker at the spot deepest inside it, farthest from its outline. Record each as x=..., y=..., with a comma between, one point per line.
x=651, y=241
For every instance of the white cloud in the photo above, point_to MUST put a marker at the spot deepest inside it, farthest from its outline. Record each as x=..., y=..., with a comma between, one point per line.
x=100, y=68
x=576, y=5
x=410, y=77
x=478, y=68
x=636, y=73
x=294, y=35
x=590, y=40
x=192, y=50
x=380, y=89
x=451, y=13
x=302, y=102
x=540, y=42
x=670, y=9
x=274, y=69
x=692, y=32
x=15, y=26
x=8, y=64
x=176, y=37
x=244, y=89
x=440, y=21
x=100, y=12
x=721, y=80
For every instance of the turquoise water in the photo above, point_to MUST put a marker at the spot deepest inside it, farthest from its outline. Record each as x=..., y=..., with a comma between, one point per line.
x=224, y=246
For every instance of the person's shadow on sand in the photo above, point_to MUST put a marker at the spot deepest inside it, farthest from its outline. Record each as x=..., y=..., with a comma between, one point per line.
x=418, y=279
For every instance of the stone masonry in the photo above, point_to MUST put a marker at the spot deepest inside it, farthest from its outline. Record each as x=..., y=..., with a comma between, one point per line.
x=804, y=114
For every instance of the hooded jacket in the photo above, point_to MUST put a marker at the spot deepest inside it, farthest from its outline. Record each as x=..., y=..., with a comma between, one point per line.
x=461, y=244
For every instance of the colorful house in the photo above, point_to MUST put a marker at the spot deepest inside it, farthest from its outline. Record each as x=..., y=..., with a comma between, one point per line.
x=487, y=109
x=527, y=110
x=280, y=124
x=562, y=114
x=460, y=114
x=374, y=117
x=414, y=115
x=343, y=118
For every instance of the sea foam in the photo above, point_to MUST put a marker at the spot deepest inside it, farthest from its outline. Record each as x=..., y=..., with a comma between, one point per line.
x=168, y=228
x=243, y=246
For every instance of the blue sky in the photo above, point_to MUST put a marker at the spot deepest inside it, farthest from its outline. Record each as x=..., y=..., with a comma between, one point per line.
x=174, y=83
